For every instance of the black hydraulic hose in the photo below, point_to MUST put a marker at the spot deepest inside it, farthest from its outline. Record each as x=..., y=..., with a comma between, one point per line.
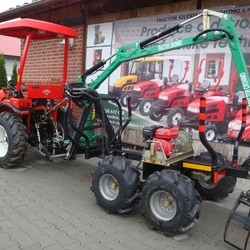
x=209, y=30
x=242, y=129
x=159, y=35
x=202, y=129
x=93, y=69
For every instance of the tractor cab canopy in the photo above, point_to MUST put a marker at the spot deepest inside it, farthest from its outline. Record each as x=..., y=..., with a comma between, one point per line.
x=31, y=29
x=21, y=28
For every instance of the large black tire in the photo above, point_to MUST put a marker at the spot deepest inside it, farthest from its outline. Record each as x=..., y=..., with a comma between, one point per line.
x=174, y=116
x=115, y=184
x=144, y=107
x=215, y=192
x=169, y=202
x=211, y=132
x=13, y=140
x=155, y=115
x=246, y=163
x=135, y=103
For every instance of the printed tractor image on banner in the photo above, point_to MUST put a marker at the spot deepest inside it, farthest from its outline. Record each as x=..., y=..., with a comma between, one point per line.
x=165, y=88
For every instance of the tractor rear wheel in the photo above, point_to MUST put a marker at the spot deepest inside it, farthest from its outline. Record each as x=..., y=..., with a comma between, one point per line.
x=155, y=115
x=13, y=140
x=212, y=191
x=115, y=184
x=124, y=99
x=169, y=202
x=144, y=107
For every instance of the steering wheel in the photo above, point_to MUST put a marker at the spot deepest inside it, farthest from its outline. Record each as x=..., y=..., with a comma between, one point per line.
x=11, y=84
x=24, y=87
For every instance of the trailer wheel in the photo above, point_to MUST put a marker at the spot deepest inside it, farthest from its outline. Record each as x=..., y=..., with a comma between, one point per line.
x=115, y=184
x=211, y=132
x=174, y=117
x=124, y=99
x=246, y=163
x=169, y=202
x=144, y=107
x=155, y=115
x=211, y=191
x=13, y=140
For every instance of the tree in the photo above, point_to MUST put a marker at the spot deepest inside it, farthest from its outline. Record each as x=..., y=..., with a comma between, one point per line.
x=14, y=75
x=3, y=73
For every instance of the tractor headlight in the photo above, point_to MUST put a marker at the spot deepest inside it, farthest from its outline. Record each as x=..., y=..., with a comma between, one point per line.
x=193, y=110
x=163, y=97
x=234, y=126
x=136, y=88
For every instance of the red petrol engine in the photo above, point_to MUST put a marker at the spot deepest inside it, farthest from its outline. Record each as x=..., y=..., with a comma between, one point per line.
x=162, y=138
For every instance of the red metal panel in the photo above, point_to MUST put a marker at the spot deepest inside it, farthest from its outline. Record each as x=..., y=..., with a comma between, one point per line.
x=45, y=91
x=20, y=28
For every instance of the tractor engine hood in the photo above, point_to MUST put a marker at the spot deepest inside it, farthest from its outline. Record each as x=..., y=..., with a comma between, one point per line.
x=212, y=102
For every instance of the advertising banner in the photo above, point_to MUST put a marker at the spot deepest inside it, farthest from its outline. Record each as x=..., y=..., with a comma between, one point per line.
x=165, y=88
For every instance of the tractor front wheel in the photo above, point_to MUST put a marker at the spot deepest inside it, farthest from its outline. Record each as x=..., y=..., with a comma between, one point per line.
x=144, y=107
x=169, y=202
x=211, y=132
x=174, y=116
x=13, y=140
x=115, y=184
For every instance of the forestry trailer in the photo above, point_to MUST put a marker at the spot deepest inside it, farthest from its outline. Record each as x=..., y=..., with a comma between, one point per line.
x=161, y=180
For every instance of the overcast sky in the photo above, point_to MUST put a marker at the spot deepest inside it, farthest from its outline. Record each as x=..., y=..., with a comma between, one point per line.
x=5, y=5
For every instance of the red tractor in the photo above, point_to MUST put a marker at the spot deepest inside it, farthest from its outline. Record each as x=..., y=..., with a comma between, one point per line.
x=173, y=102
x=234, y=127
x=146, y=92
x=222, y=107
x=31, y=113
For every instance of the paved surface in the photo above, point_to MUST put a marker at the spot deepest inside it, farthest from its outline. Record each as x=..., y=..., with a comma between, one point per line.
x=50, y=206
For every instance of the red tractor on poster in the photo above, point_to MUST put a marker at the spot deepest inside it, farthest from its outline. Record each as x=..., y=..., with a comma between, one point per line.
x=234, y=127
x=32, y=112
x=136, y=71
x=222, y=107
x=146, y=92
x=173, y=102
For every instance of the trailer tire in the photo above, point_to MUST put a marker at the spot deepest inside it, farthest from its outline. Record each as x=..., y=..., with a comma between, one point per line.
x=216, y=192
x=13, y=140
x=144, y=107
x=170, y=202
x=115, y=184
x=246, y=163
x=174, y=116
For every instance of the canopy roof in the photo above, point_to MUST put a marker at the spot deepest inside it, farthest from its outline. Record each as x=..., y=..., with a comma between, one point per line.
x=20, y=28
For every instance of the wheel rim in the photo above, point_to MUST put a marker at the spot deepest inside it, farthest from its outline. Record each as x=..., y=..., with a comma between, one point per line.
x=210, y=135
x=157, y=114
x=109, y=187
x=207, y=184
x=4, y=143
x=163, y=205
x=146, y=107
x=176, y=118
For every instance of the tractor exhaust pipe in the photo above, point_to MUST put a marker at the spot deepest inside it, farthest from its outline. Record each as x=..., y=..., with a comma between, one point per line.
x=243, y=126
x=202, y=136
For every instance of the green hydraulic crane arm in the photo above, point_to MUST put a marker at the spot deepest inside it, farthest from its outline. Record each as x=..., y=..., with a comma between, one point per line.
x=150, y=47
